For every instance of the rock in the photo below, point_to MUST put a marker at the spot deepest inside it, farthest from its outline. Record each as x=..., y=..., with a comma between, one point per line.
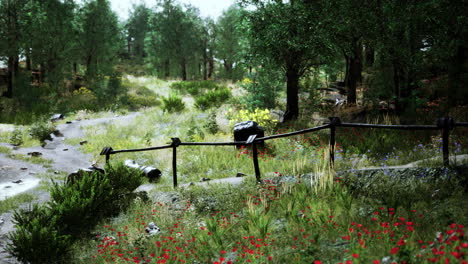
x=57, y=133
x=68, y=122
x=152, y=229
x=56, y=117
x=17, y=182
x=2, y=221
x=35, y=154
x=7, y=187
x=77, y=175
x=23, y=168
x=240, y=174
x=65, y=149
x=205, y=179
x=243, y=130
x=152, y=173
x=83, y=142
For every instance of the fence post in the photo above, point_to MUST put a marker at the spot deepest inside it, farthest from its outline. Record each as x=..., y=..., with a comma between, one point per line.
x=107, y=152
x=446, y=124
x=175, y=144
x=333, y=122
x=251, y=141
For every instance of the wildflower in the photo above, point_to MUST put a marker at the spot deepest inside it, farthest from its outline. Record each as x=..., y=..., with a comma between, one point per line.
x=394, y=250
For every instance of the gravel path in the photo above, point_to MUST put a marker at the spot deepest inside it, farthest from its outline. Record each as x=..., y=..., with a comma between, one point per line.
x=63, y=157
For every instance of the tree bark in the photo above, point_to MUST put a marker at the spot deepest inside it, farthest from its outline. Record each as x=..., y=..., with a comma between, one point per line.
x=354, y=74
x=183, y=68
x=167, y=68
x=11, y=77
x=370, y=57
x=292, y=93
x=210, y=67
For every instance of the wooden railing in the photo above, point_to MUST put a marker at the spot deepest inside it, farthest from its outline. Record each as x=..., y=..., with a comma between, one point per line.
x=444, y=124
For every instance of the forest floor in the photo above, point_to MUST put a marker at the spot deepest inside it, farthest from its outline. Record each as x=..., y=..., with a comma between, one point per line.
x=20, y=173
x=59, y=159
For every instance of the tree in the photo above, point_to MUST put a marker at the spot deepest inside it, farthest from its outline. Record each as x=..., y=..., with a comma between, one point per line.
x=175, y=37
x=11, y=34
x=51, y=38
x=290, y=35
x=228, y=42
x=137, y=27
x=99, y=39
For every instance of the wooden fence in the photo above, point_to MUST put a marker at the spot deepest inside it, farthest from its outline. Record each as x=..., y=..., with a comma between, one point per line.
x=444, y=124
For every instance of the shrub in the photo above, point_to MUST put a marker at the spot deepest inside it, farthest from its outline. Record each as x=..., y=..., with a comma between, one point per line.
x=194, y=88
x=262, y=88
x=173, y=103
x=211, y=124
x=262, y=117
x=41, y=131
x=35, y=240
x=79, y=206
x=16, y=137
x=212, y=98
x=44, y=234
x=83, y=98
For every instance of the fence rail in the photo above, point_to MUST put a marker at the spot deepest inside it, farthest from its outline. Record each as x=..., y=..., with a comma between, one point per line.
x=445, y=124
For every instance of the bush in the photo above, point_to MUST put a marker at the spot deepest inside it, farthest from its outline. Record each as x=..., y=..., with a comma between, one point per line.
x=263, y=88
x=41, y=131
x=194, y=88
x=79, y=206
x=262, y=117
x=83, y=98
x=44, y=234
x=212, y=98
x=173, y=103
x=35, y=239
x=16, y=137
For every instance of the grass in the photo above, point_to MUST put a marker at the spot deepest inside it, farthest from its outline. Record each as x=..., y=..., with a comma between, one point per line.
x=36, y=160
x=327, y=220
x=288, y=223
x=14, y=202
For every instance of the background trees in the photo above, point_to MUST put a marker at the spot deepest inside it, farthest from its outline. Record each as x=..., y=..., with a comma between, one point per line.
x=386, y=50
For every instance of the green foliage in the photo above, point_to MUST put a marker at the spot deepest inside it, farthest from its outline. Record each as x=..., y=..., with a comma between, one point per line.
x=263, y=88
x=80, y=205
x=35, y=240
x=212, y=98
x=44, y=234
x=194, y=88
x=211, y=125
x=15, y=201
x=262, y=117
x=16, y=137
x=173, y=103
x=41, y=130
x=194, y=132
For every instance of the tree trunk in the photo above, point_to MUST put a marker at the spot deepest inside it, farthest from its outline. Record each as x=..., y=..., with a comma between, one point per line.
x=370, y=57
x=28, y=61
x=183, y=68
x=167, y=68
x=210, y=67
x=292, y=93
x=228, y=69
x=11, y=77
x=354, y=75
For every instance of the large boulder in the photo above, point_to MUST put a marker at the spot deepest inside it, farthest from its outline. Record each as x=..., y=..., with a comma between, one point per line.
x=243, y=130
x=77, y=175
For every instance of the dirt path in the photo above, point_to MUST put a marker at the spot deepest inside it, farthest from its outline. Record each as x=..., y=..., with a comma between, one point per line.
x=64, y=158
